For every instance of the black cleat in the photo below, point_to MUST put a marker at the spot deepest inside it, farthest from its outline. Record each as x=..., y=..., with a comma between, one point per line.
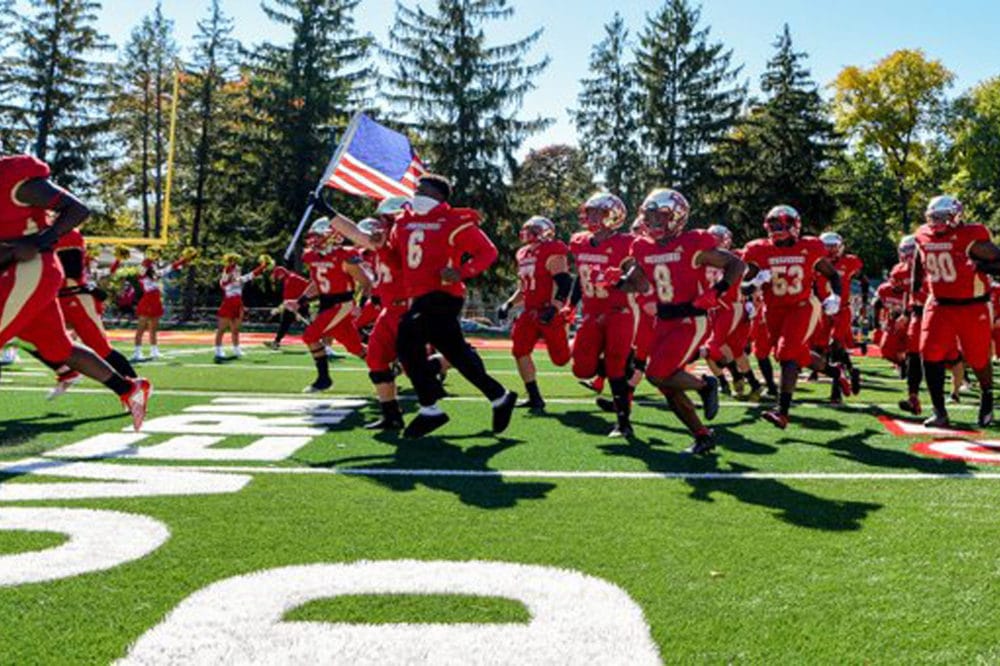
x=606, y=405
x=911, y=405
x=985, y=410
x=703, y=444
x=319, y=386
x=385, y=424
x=855, y=381
x=939, y=420
x=776, y=418
x=502, y=414
x=424, y=424
x=710, y=397
x=532, y=405
x=622, y=431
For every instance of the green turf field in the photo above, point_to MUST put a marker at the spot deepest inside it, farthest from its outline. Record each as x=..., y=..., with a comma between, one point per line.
x=832, y=542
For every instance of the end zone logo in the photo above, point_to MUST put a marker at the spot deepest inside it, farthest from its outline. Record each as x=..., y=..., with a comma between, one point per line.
x=973, y=449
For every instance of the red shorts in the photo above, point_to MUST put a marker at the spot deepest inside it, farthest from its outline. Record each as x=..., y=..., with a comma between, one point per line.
x=81, y=314
x=336, y=322
x=382, y=341
x=728, y=332
x=609, y=335
x=970, y=325
x=231, y=308
x=791, y=328
x=29, y=307
x=527, y=331
x=644, y=335
x=843, y=332
x=150, y=305
x=760, y=337
x=823, y=334
x=894, y=342
x=675, y=344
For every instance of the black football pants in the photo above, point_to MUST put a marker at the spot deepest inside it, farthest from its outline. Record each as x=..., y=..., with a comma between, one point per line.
x=433, y=319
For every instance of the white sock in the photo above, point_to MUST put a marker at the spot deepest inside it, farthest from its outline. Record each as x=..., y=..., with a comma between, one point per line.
x=433, y=410
x=154, y=349
x=499, y=401
x=218, y=351
x=138, y=350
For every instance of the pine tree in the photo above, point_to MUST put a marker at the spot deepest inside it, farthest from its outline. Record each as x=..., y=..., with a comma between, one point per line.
x=6, y=86
x=463, y=95
x=692, y=97
x=61, y=84
x=299, y=94
x=607, y=117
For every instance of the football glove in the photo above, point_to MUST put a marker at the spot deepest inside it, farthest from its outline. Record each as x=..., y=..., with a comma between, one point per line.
x=750, y=309
x=762, y=278
x=503, y=312
x=831, y=305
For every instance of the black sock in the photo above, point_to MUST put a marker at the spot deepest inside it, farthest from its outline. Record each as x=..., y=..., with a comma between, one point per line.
x=622, y=393
x=751, y=379
x=118, y=384
x=121, y=365
x=391, y=410
x=533, y=393
x=322, y=368
x=935, y=385
x=784, y=403
x=734, y=371
x=723, y=383
x=767, y=372
x=435, y=364
x=914, y=373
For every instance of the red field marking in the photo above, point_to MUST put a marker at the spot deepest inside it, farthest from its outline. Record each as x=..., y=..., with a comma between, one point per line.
x=249, y=338
x=984, y=453
x=902, y=428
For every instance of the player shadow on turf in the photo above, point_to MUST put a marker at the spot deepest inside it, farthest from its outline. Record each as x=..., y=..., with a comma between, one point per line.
x=791, y=505
x=20, y=430
x=855, y=448
x=443, y=465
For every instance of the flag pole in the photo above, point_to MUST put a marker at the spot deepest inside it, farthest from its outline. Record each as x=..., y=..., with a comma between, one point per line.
x=345, y=142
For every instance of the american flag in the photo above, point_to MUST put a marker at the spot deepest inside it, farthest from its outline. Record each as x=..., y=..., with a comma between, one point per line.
x=374, y=161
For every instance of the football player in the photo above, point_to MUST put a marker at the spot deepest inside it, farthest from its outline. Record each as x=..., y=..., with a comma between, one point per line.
x=889, y=309
x=951, y=255
x=34, y=215
x=230, y=313
x=293, y=287
x=149, y=310
x=785, y=265
x=439, y=248
x=544, y=289
x=675, y=263
x=335, y=273
x=603, y=343
x=841, y=333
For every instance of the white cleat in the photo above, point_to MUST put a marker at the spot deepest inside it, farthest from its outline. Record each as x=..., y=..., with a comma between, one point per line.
x=136, y=401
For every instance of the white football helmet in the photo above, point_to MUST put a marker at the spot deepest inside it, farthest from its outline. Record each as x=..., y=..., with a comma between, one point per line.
x=783, y=223
x=537, y=229
x=603, y=210
x=723, y=236
x=833, y=242
x=944, y=211
x=665, y=213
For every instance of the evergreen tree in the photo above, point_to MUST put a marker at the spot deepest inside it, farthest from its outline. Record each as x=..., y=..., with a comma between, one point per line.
x=60, y=108
x=692, y=97
x=6, y=87
x=552, y=181
x=463, y=95
x=607, y=115
x=782, y=149
x=299, y=93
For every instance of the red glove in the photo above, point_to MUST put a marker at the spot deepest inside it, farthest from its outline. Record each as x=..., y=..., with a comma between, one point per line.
x=613, y=276
x=709, y=300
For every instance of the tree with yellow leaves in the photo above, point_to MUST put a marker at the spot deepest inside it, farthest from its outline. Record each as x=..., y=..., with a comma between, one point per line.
x=893, y=107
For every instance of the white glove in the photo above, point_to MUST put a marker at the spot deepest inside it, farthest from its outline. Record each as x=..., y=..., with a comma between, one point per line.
x=750, y=309
x=762, y=278
x=831, y=305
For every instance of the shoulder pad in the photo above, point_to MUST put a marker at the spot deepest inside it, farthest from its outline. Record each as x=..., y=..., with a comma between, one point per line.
x=20, y=168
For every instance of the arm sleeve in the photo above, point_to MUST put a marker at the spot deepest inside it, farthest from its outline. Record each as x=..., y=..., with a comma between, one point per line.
x=471, y=242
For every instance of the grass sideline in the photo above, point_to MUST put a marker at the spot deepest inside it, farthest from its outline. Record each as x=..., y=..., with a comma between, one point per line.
x=768, y=570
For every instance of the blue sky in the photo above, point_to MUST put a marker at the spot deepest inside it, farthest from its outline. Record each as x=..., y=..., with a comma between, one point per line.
x=962, y=34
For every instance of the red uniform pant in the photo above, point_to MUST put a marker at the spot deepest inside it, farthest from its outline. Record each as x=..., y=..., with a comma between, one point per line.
x=675, y=344
x=81, y=314
x=527, y=331
x=382, y=341
x=608, y=334
x=969, y=325
x=729, y=328
x=29, y=307
x=335, y=322
x=791, y=328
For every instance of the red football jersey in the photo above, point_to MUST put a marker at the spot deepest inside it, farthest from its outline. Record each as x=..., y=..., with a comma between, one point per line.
x=17, y=220
x=445, y=237
x=537, y=286
x=670, y=266
x=591, y=263
x=735, y=293
x=793, y=268
x=326, y=269
x=902, y=274
x=293, y=287
x=948, y=269
x=892, y=298
x=847, y=266
x=388, y=283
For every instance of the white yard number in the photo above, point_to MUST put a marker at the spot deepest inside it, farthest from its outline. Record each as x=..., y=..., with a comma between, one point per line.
x=664, y=283
x=527, y=275
x=941, y=267
x=590, y=289
x=787, y=280
x=414, y=251
x=575, y=619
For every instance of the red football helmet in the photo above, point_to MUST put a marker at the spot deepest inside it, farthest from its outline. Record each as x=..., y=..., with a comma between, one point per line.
x=723, y=236
x=834, y=244
x=907, y=248
x=783, y=223
x=944, y=212
x=603, y=210
x=537, y=229
x=322, y=237
x=665, y=213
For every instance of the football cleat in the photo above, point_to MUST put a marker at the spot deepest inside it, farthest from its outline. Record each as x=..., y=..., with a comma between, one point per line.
x=845, y=382
x=424, y=424
x=63, y=384
x=385, y=424
x=606, y=405
x=911, y=405
x=985, y=410
x=319, y=386
x=596, y=384
x=776, y=419
x=622, y=431
x=136, y=401
x=503, y=412
x=939, y=420
x=532, y=405
x=273, y=345
x=703, y=443
x=710, y=397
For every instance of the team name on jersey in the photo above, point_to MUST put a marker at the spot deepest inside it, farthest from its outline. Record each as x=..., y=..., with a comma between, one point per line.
x=588, y=258
x=666, y=258
x=781, y=261
x=528, y=262
x=423, y=226
x=936, y=247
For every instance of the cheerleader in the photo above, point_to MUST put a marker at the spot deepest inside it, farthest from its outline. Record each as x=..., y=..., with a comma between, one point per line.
x=149, y=310
x=230, y=313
